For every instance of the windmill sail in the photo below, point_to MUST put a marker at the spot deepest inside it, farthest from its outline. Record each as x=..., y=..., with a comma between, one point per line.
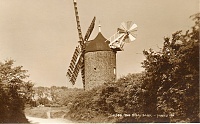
x=87, y=35
x=71, y=73
x=78, y=23
x=75, y=73
x=90, y=29
x=77, y=62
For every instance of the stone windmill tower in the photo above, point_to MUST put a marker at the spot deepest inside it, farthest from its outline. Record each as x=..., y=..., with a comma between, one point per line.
x=97, y=58
x=100, y=62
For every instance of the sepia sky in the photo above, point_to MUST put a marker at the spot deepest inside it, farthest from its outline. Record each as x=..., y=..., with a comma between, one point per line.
x=41, y=34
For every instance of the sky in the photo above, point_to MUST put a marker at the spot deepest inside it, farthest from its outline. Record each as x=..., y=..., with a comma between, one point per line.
x=41, y=35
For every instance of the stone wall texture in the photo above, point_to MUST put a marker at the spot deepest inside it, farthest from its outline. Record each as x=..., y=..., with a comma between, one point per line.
x=100, y=67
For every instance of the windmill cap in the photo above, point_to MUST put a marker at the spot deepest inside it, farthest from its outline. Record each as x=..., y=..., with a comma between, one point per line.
x=98, y=44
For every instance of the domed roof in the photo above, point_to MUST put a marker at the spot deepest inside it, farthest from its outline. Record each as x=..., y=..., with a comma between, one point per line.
x=98, y=44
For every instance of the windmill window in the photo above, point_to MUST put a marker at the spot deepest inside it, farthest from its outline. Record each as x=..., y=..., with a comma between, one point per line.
x=114, y=70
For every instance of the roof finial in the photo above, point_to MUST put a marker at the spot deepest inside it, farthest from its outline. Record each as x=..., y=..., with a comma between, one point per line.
x=99, y=27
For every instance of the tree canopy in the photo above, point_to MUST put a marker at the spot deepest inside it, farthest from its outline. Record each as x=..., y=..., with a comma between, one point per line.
x=172, y=76
x=15, y=92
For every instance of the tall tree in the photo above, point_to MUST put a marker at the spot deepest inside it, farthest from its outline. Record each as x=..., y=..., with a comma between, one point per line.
x=172, y=76
x=14, y=92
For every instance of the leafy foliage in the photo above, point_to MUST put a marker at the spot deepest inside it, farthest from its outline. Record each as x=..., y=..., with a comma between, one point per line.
x=108, y=100
x=172, y=77
x=14, y=92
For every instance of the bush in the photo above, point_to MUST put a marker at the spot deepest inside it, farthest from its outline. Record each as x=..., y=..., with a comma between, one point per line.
x=102, y=103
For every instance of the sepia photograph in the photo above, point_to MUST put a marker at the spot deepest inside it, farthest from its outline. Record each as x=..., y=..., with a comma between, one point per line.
x=99, y=61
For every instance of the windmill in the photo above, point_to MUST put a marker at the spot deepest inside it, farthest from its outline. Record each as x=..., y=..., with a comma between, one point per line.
x=97, y=58
x=77, y=61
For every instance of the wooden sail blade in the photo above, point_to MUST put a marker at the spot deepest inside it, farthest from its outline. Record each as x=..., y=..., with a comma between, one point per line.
x=90, y=29
x=83, y=73
x=69, y=73
x=78, y=23
x=73, y=64
x=75, y=71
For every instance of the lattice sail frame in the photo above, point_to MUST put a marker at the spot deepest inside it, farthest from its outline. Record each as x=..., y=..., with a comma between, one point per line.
x=77, y=61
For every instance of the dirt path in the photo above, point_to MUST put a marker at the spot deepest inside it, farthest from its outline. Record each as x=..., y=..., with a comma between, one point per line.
x=34, y=120
x=49, y=114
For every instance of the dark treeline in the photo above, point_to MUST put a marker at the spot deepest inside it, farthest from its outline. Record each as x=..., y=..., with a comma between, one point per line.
x=53, y=96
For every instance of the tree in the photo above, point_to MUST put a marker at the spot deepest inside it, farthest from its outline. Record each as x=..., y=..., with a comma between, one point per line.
x=172, y=77
x=14, y=92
